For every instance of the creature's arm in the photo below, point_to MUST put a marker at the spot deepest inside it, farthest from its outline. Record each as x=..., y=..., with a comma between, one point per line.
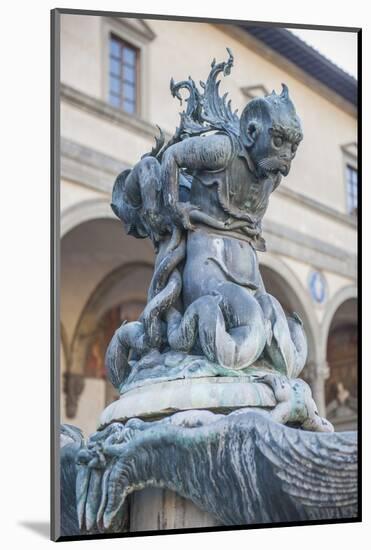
x=196, y=153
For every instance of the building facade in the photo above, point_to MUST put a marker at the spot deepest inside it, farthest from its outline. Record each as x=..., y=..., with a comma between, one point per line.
x=115, y=75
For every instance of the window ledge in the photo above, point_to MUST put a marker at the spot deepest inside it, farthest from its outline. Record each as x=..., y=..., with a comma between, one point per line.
x=104, y=110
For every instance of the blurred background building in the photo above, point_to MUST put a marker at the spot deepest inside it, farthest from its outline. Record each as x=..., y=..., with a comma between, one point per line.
x=115, y=75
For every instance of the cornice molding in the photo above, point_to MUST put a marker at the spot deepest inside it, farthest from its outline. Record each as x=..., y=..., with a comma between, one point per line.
x=316, y=206
x=286, y=241
x=277, y=59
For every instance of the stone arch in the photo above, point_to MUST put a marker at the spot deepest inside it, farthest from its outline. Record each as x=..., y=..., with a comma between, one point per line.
x=112, y=275
x=114, y=288
x=126, y=284
x=340, y=344
x=344, y=294
x=300, y=298
x=84, y=211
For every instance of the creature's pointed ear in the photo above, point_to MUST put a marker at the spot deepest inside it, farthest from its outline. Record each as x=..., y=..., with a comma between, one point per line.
x=251, y=132
x=285, y=91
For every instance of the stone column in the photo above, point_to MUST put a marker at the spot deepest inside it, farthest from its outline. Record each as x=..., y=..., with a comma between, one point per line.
x=317, y=374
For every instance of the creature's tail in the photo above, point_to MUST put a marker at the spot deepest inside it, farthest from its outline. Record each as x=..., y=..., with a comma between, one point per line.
x=128, y=336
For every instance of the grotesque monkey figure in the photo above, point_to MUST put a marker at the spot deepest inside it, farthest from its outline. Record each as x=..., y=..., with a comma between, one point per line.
x=201, y=198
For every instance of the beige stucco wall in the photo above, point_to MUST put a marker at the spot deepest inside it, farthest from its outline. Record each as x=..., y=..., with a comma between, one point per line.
x=81, y=53
x=311, y=223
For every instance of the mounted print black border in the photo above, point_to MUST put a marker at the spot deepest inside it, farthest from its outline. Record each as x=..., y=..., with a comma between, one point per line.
x=55, y=267
x=55, y=274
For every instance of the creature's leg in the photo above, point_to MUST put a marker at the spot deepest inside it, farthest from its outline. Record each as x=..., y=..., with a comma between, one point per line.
x=314, y=422
x=282, y=391
x=317, y=424
x=281, y=412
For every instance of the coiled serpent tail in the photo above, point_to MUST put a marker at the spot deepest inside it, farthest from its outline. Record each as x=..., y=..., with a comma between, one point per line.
x=165, y=288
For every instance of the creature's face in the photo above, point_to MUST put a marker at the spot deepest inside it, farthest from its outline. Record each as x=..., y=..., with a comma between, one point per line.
x=271, y=133
x=274, y=148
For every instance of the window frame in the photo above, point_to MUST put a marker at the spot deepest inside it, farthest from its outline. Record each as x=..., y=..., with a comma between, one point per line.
x=351, y=209
x=350, y=159
x=139, y=38
x=123, y=44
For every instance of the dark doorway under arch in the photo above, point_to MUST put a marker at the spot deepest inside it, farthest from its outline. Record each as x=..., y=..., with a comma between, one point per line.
x=94, y=366
x=342, y=357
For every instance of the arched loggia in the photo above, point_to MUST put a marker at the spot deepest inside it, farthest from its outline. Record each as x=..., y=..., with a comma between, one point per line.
x=102, y=268
x=283, y=284
x=341, y=388
x=120, y=296
x=344, y=294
